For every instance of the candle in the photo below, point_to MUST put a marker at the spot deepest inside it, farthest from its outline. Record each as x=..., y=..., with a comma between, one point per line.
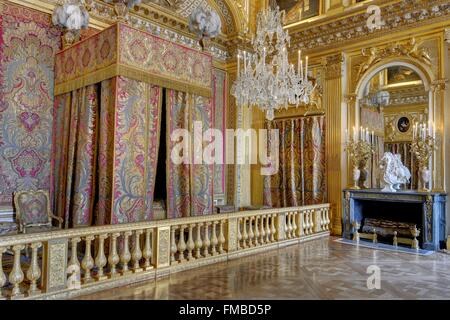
x=306, y=68
x=298, y=61
x=367, y=134
x=354, y=133
x=239, y=63
x=245, y=61
x=301, y=69
x=346, y=135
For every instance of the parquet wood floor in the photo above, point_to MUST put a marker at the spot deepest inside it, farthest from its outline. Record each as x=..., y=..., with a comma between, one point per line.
x=320, y=269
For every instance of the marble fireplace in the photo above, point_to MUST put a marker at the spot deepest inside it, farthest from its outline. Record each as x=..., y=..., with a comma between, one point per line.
x=426, y=211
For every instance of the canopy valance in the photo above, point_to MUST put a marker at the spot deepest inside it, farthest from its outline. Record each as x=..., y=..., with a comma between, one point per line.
x=121, y=50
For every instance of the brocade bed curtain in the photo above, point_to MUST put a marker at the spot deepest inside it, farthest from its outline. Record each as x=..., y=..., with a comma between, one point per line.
x=189, y=185
x=105, y=150
x=301, y=178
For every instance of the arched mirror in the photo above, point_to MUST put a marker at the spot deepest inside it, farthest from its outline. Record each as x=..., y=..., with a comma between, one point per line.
x=393, y=101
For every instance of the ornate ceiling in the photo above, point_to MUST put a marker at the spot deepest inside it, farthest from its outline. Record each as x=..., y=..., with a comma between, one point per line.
x=183, y=8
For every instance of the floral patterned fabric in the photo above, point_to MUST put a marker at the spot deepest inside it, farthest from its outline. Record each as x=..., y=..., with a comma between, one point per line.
x=136, y=54
x=28, y=43
x=105, y=151
x=301, y=178
x=136, y=134
x=190, y=186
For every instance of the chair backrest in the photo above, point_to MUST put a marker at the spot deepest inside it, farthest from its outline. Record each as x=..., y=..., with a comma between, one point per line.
x=33, y=208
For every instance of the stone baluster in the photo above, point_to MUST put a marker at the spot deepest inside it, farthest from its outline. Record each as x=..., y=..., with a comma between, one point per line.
x=74, y=254
x=88, y=262
x=273, y=229
x=268, y=231
x=113, y=258
x=262, y=231
x=181, y=245
x=244, y=233
x=257, y=234
x=34, y=272
x=16, y=275
x=251, y=234
x=100, y=259
x=147, y=253
x=173, y=244
x=327, y=213
x=125, y=255
x=221, y=237
x=206, y=242
x=239, y=234
x=190, y=243
x=290, y=215
x=136, y=255
x=198, y=241
x=214, y=240
x=294, y=224
x=286, y=228
x=306, y=222
x=311, y=222
x=301, y=223
x=2, y=273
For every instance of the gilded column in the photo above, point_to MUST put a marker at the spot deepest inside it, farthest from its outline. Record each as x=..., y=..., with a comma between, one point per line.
x=333, y=97
x=438, y=94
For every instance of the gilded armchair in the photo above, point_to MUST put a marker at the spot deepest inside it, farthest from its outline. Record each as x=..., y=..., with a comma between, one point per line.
x=33, y=211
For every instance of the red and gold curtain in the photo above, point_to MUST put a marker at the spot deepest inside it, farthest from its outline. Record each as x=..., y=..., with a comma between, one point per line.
x=301, y=177
x=189, y=184
x=105, y=151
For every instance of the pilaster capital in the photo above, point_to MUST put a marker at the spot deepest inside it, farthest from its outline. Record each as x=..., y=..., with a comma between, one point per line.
x=333, y=66
x=447, y=35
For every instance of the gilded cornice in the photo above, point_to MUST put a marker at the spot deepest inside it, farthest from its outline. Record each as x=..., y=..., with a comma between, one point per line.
x=398, y=16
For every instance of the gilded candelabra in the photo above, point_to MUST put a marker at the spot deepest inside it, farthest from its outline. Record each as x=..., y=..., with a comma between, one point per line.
x=360, y=150
x=422, y=148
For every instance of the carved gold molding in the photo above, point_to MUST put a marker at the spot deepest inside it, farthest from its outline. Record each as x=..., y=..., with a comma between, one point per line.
x=328, y=32
x=409, y=48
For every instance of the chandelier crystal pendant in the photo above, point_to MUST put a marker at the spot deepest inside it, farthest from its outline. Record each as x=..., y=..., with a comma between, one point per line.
x=267, y=80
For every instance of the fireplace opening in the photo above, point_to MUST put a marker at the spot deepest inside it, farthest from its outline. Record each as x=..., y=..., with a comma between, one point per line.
x=386, y=217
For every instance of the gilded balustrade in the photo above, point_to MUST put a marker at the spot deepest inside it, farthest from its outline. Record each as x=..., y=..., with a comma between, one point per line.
x=67, y=263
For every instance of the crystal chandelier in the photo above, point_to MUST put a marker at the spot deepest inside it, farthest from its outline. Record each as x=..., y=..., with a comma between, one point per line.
x=378, y=99
x=267, y=80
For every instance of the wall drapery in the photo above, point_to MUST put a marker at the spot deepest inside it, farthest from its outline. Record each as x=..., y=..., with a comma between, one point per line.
x=28, y=44
x=301, y=178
